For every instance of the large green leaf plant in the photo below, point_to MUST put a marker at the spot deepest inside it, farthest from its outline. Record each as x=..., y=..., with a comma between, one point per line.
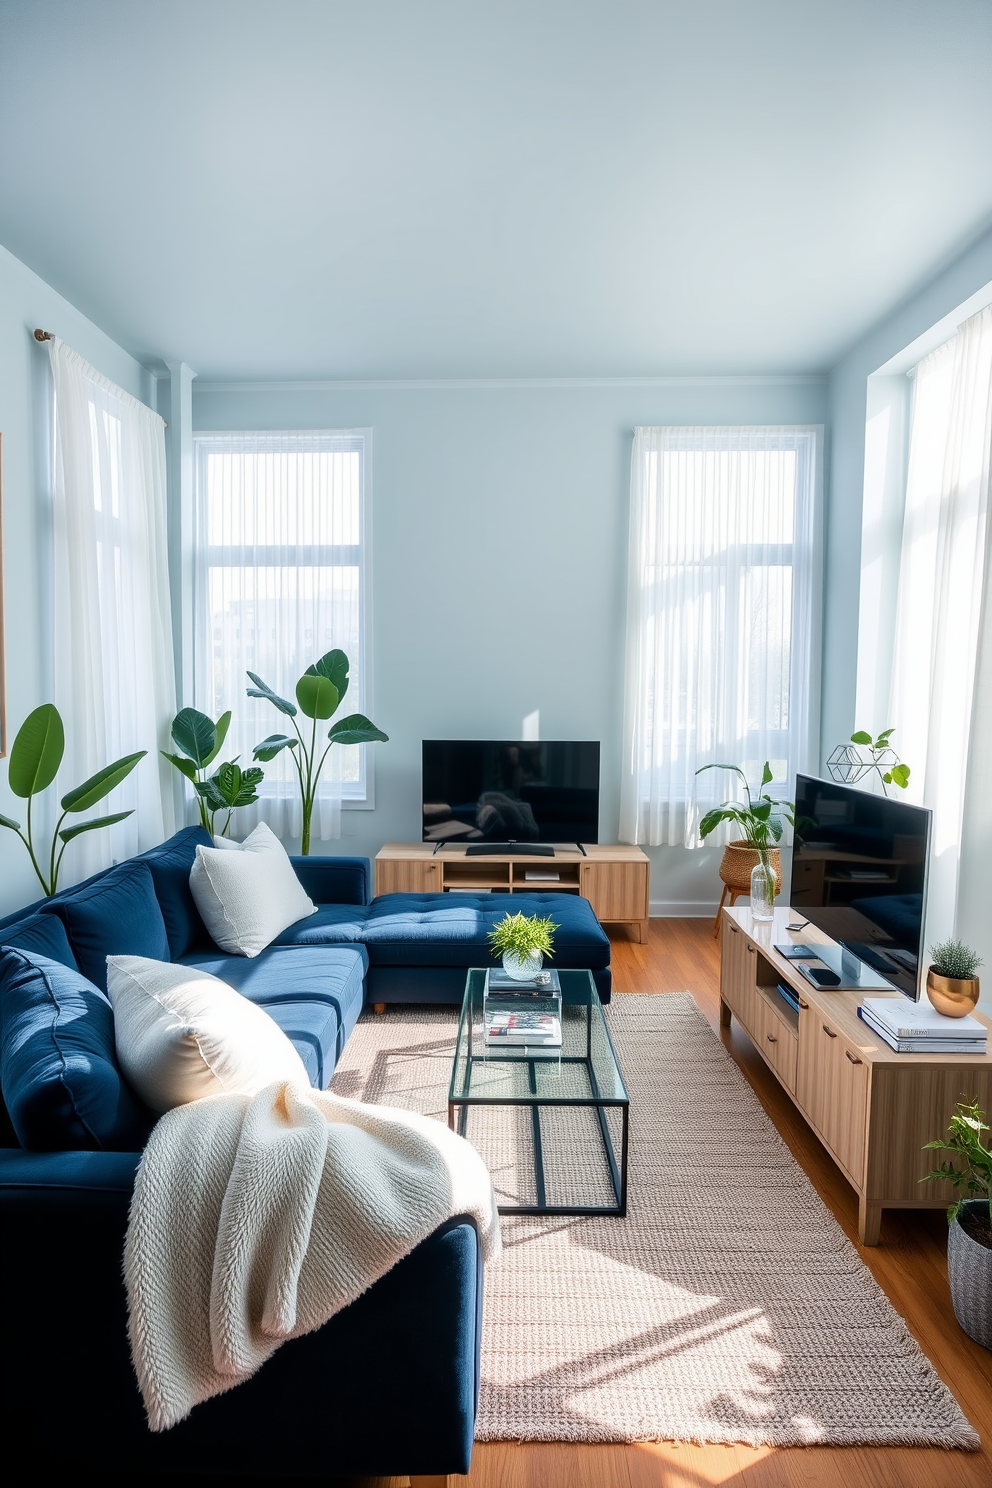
x=35, y=758
x=199, y=741
x=319, y=693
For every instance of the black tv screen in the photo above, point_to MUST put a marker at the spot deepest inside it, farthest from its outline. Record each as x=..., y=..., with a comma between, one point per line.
x=859, y=873
x=500, y=790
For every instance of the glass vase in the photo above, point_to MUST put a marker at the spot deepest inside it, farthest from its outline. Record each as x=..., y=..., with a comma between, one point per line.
x=762, y=892
x=522, y=968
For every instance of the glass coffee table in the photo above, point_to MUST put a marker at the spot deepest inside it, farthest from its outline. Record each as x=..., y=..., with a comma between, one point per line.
x=569, y=1106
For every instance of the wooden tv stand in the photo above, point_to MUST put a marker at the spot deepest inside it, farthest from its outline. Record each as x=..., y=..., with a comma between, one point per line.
x=871, y=1108
x=615, y=880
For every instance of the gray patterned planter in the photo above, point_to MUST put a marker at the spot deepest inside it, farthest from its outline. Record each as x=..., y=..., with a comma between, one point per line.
x=969, y=1268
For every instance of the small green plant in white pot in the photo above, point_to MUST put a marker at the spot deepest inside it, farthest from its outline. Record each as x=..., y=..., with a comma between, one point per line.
x=523, y=941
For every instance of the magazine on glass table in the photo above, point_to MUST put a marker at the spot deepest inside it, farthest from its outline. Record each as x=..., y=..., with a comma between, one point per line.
x=506, y=1029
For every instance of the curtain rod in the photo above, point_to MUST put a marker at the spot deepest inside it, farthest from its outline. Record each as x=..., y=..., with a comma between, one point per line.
x=47, y=336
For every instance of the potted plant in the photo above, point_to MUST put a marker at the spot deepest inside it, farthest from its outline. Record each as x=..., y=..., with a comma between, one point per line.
x=35, y=757
x=969, y=1238
x=752, y=862
x=952, y=981
x=199, y=741
x=319, y=693
x=523, y=941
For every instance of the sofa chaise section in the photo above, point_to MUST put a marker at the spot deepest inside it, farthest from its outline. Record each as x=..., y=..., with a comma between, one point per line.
x=420, y=946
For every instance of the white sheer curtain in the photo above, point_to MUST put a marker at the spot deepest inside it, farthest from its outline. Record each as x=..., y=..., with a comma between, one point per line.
x=114, y=668
x=720, y=620
x=279, y=581
x=943, y=579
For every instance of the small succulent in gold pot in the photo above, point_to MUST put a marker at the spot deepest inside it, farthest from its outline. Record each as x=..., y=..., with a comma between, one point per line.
x=952, y=981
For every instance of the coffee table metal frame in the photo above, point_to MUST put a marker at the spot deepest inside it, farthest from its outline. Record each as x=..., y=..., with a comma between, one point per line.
x=578, y=990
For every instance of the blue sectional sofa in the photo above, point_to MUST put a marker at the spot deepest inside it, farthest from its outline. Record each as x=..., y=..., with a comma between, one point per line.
x=385, y=1388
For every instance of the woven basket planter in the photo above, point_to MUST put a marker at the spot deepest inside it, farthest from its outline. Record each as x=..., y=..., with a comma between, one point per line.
x=739, y=859
x=969, y=1270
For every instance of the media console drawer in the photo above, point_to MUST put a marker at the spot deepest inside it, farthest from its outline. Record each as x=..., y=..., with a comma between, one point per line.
x=776, y=1041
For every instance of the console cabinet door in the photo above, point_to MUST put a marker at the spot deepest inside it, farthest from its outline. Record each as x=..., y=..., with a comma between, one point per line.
x=617, y=891
x=408, y=875
x=833, y=1090
x=775, y=1041
x=737, y=963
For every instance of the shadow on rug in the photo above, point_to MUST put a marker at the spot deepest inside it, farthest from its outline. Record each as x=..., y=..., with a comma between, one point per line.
x=728, y=1307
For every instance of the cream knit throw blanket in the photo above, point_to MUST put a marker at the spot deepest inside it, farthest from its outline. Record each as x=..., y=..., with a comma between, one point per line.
x=255, y=1219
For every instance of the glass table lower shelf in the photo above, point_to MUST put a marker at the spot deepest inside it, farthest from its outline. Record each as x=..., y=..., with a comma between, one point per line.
x=556, y=1120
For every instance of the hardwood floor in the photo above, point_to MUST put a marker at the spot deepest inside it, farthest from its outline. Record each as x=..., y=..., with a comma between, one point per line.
x=909, y=1263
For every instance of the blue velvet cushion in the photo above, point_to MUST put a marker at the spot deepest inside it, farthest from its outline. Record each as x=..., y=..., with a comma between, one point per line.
x=169, y=865
x=452, y=929
x=43, y=933
x=58, y=1066
x=117, y=915
x=315, y=994
x=333, y=924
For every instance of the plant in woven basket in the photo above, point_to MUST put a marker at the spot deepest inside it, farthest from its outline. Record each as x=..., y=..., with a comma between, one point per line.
x=760, y=819
x=952, y=958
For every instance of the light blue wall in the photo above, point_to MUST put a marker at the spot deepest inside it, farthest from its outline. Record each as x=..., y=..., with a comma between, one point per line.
x=846, y=413
x=27, y=302
x=499, y=557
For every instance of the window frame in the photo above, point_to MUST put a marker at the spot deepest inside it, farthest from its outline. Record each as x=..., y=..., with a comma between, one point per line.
x=360, y=797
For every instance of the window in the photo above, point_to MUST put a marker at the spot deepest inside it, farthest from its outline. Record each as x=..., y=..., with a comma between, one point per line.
x=114, y=663
x=280, y=578
x=720, y=629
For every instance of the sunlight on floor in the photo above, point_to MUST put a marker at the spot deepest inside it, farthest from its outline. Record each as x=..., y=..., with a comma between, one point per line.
x=715, y=1465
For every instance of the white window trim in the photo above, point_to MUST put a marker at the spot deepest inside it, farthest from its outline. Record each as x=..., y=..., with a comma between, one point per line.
x=363, y=796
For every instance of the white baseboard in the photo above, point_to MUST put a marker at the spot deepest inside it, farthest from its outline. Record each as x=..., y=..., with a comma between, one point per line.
x=683, y=909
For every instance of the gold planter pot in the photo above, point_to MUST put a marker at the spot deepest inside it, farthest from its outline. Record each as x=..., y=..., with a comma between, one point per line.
x=953, y=998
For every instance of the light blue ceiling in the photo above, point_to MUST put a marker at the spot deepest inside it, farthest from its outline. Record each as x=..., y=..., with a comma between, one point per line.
x=431, y=188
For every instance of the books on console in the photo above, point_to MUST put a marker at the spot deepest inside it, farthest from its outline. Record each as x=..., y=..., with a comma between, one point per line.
x=918, y=1028
x=789, y=995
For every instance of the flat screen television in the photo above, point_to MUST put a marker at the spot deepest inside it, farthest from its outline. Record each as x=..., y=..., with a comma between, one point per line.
x=859, y=873
x=511, y=790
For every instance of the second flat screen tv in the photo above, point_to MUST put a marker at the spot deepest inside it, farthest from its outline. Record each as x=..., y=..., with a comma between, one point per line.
x=500, y=790
x=859, y=873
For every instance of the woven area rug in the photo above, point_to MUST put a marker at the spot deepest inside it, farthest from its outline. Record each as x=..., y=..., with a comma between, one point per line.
x=727, y=1307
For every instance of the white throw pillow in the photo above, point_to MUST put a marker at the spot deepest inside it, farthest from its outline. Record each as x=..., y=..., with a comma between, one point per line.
x=247, y=892
x=182, y=1034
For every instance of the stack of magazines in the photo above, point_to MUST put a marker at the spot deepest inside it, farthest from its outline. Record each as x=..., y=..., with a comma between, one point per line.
x=539, y=1030
x=918, y=1028
x=517, y=1013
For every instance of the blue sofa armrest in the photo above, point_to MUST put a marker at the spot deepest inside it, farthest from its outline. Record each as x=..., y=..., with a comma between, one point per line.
x=335, y=880
x=387, y=1387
